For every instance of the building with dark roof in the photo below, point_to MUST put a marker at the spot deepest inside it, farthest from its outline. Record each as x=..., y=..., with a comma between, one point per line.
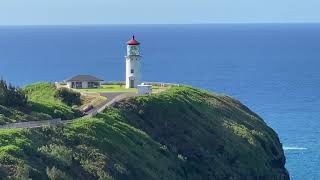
x=83, y=81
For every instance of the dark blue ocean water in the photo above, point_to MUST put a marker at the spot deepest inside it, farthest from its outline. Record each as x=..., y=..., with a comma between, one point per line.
x=273, y=69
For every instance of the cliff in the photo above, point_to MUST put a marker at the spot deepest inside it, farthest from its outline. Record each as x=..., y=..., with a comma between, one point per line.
x=182, y=133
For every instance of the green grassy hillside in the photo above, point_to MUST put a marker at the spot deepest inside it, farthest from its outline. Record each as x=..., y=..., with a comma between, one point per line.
x=13, y=114
x=217, y=135
x=182, y=133
x=41, y=105
x=41, y=97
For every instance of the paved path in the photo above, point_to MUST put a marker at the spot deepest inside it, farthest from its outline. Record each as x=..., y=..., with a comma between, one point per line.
x=112, y=97
x=32, y=124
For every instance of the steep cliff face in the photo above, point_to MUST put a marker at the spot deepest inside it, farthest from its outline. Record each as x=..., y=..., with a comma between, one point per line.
x=215, y=135
x=182, y=133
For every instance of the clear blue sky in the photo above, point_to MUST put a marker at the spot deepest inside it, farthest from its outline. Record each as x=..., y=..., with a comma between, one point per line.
x=71, y=12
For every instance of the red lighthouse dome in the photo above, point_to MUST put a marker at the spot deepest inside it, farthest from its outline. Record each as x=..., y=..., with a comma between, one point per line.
x=133, y=41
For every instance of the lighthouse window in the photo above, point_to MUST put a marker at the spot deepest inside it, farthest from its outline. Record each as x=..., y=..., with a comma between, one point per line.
x=132, y=71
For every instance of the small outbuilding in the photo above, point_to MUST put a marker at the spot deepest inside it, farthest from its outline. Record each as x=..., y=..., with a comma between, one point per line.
x=83, y=81
x=144, y=89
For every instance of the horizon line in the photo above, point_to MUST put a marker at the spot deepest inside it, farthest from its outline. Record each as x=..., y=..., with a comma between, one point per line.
x=155, y=24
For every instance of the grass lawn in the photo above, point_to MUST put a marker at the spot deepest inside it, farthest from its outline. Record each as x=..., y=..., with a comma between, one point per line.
x=119, y=88
x=109, y=88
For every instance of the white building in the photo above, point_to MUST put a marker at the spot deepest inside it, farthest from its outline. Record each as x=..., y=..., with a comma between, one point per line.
x=144, y=89
x=83, y=81
x=133, y=64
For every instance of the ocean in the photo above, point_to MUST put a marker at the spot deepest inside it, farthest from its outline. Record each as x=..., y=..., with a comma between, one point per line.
x=274, y=69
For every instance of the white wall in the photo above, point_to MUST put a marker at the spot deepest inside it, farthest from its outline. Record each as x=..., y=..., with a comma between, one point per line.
x=84, y=84
x=144, y=89
x=133, y=62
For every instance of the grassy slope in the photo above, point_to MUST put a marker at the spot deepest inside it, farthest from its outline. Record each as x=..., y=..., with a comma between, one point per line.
x=42, y=105
x=217, y=134
x=41, y=97
x=88, y=149
x=183, y=133
x=12, y=115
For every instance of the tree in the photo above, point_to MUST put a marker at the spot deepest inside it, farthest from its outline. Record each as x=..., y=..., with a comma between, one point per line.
x=68, y=96
x=12, y=96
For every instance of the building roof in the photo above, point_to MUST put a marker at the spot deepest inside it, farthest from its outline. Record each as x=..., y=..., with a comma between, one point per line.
x=82, y=78
x=133, y=41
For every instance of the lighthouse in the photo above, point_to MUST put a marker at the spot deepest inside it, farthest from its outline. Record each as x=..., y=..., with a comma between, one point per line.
x=133, y=64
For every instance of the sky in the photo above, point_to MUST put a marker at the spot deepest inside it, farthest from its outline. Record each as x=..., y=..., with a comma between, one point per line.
x=83, y=12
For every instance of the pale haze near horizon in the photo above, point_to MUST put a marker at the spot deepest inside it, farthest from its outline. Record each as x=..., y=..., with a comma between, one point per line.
x=82, y=12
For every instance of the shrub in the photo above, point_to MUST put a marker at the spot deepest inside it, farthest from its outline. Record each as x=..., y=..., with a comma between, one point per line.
x=60, y=153
x=57, y=113
x=68, y=96
x=22, y=172
x=12, y=96
x=41, y=116
x=56, y=174
x=4, y=119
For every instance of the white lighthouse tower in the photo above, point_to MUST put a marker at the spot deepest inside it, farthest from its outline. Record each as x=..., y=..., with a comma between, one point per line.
x=133, y=64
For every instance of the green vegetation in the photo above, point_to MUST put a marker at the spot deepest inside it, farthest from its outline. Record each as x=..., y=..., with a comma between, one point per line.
x=11, y=96
x=43, y=98
x=68, y=96
x=14, y=106
x=182, y=133
x=215, y=134
x=40, y=101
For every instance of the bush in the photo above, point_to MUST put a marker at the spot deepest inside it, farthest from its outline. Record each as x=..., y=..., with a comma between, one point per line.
x=3, y=119
x=22, y=172
x=58, y=113
x=68, y=96
x=12, y=96
x=56, y=174
x=41, y=116
x=60, y=153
